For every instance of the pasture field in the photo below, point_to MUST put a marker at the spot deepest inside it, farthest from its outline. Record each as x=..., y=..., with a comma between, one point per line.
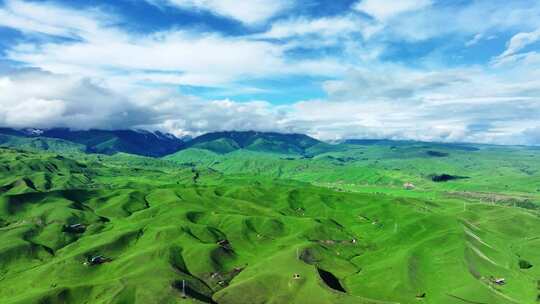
x=320, y=224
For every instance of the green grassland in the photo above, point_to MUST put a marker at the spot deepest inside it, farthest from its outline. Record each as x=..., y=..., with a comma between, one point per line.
x=257, y=220
x=40, y=144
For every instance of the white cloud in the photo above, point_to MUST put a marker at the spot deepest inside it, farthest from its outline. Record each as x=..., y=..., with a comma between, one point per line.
x=449, y=105
x=516, y=44
x=476, y=39
x=249, y=12
x=34, y=112
x=34, y=98
x=181, y=57
x=530, y=58
x=383, y=10
x=325, y=26
x=391, y=101
x=532, y=136
x=194, y=116
x=49, y=19
x=479, y=38
x=418, y=20
x=221, y=59
x=204, y=59
x=107, y=77
x=520, y=41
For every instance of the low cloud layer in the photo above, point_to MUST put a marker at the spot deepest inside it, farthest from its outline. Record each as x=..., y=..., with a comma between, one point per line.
x=52, y=100
x=41, y=99
x=449, y=106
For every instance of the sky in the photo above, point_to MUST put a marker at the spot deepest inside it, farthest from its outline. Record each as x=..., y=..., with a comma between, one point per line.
x=430, y=70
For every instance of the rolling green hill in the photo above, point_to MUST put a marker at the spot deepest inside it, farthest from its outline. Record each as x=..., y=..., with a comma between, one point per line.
x=358, y=222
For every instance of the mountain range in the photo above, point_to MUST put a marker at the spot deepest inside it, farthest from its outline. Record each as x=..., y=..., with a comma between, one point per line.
x=156, y=144
x=138, y=142
x=159, y=144
x=253, y=217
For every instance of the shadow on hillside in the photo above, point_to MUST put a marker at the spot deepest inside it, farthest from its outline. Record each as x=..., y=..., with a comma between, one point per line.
x=330, y=280
x=189, y=292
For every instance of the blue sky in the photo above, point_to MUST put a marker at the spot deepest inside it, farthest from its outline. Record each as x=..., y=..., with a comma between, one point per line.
x=410, y=69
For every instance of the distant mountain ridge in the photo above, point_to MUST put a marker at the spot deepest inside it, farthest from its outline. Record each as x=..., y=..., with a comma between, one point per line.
x=156, y=144
x=153, y=144
x=159, y=144
x=225, y=142
x=395, y=143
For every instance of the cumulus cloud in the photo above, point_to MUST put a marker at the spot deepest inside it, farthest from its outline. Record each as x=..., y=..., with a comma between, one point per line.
x=32, y=98
x=391, y=101
x=250, y=12
x=36, y=98
x=52, y=100
x=181, y=115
